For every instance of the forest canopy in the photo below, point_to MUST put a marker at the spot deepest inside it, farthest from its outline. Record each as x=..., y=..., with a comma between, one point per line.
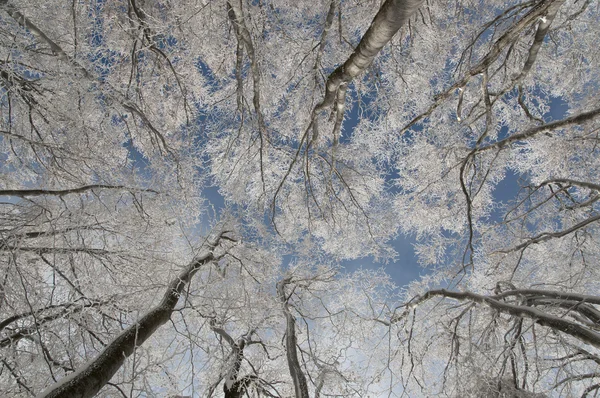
x=181, y=182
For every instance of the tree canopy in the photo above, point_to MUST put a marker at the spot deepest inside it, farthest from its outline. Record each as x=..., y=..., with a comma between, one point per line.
x=181, y=181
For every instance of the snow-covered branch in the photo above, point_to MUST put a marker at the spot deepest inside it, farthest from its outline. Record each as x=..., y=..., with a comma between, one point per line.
x=571, y=328
x=86, y=381
x=300, y=385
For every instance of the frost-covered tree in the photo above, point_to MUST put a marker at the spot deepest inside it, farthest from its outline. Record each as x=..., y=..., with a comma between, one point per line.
x=329, y=127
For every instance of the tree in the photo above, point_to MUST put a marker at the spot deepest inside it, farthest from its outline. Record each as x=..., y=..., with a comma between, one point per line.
x=119, y=278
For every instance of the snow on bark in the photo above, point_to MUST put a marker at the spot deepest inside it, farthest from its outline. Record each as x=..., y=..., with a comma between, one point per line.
x=390, y=18
x=89, y=379
x=300, y=385
x=520, y=311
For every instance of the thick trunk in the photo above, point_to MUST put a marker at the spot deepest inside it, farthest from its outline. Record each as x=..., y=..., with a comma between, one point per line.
x=234, y=388
x=91, y=377
x=392, y=15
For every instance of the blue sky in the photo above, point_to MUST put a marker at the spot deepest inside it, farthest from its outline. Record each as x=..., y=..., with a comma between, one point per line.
x=404, y=268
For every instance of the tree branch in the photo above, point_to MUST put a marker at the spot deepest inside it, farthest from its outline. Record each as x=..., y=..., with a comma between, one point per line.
x=576, y=119
x=556, y=323
x=92, y=376
x=23, y=193
x=540, y=33
x=243, y=35
x=544, y=236
x=507, y=39
x=392, y=15
x=62, y=55
x=300, y=384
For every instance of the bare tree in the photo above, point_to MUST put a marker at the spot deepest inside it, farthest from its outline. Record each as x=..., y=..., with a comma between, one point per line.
x=329, y=128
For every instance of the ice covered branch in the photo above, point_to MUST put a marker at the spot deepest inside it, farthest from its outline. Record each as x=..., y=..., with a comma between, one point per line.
x=540, y=317
x=300, y=385
x=24, y=193
x=539, y=10
x=90, y=378
x=245, y=40
x=112, y=92
x=581, y=118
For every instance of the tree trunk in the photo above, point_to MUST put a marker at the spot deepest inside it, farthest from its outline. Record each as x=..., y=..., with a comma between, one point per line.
x=91, y=377
x=300, y=385
x=392, y=15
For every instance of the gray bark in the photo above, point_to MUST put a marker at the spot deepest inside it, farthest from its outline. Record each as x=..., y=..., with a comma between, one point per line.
x=91, y=377
x=24, y=193
x=540, y=317
x=540, y=34
x=392, y=15
x=300, y=385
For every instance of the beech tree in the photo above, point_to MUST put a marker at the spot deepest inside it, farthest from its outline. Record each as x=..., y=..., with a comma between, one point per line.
x=329, y=128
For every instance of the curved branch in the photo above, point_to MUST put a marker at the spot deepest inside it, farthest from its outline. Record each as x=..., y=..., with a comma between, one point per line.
x=31, y=27
x=572, y=120
x=550, y=294
x=392, y=15
x=583, y=184
x=506, y=40
x=556, y=323
x=540, y=33
x=66, y=307
x=544, y=236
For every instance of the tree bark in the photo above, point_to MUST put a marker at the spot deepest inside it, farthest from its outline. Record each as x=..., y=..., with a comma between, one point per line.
x=91, y=377
x=392, y=15
x=24, y=193
x=300, y=385
x=560, y=324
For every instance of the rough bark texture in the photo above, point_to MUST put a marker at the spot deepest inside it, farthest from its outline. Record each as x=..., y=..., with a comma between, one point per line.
x=234, y=388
